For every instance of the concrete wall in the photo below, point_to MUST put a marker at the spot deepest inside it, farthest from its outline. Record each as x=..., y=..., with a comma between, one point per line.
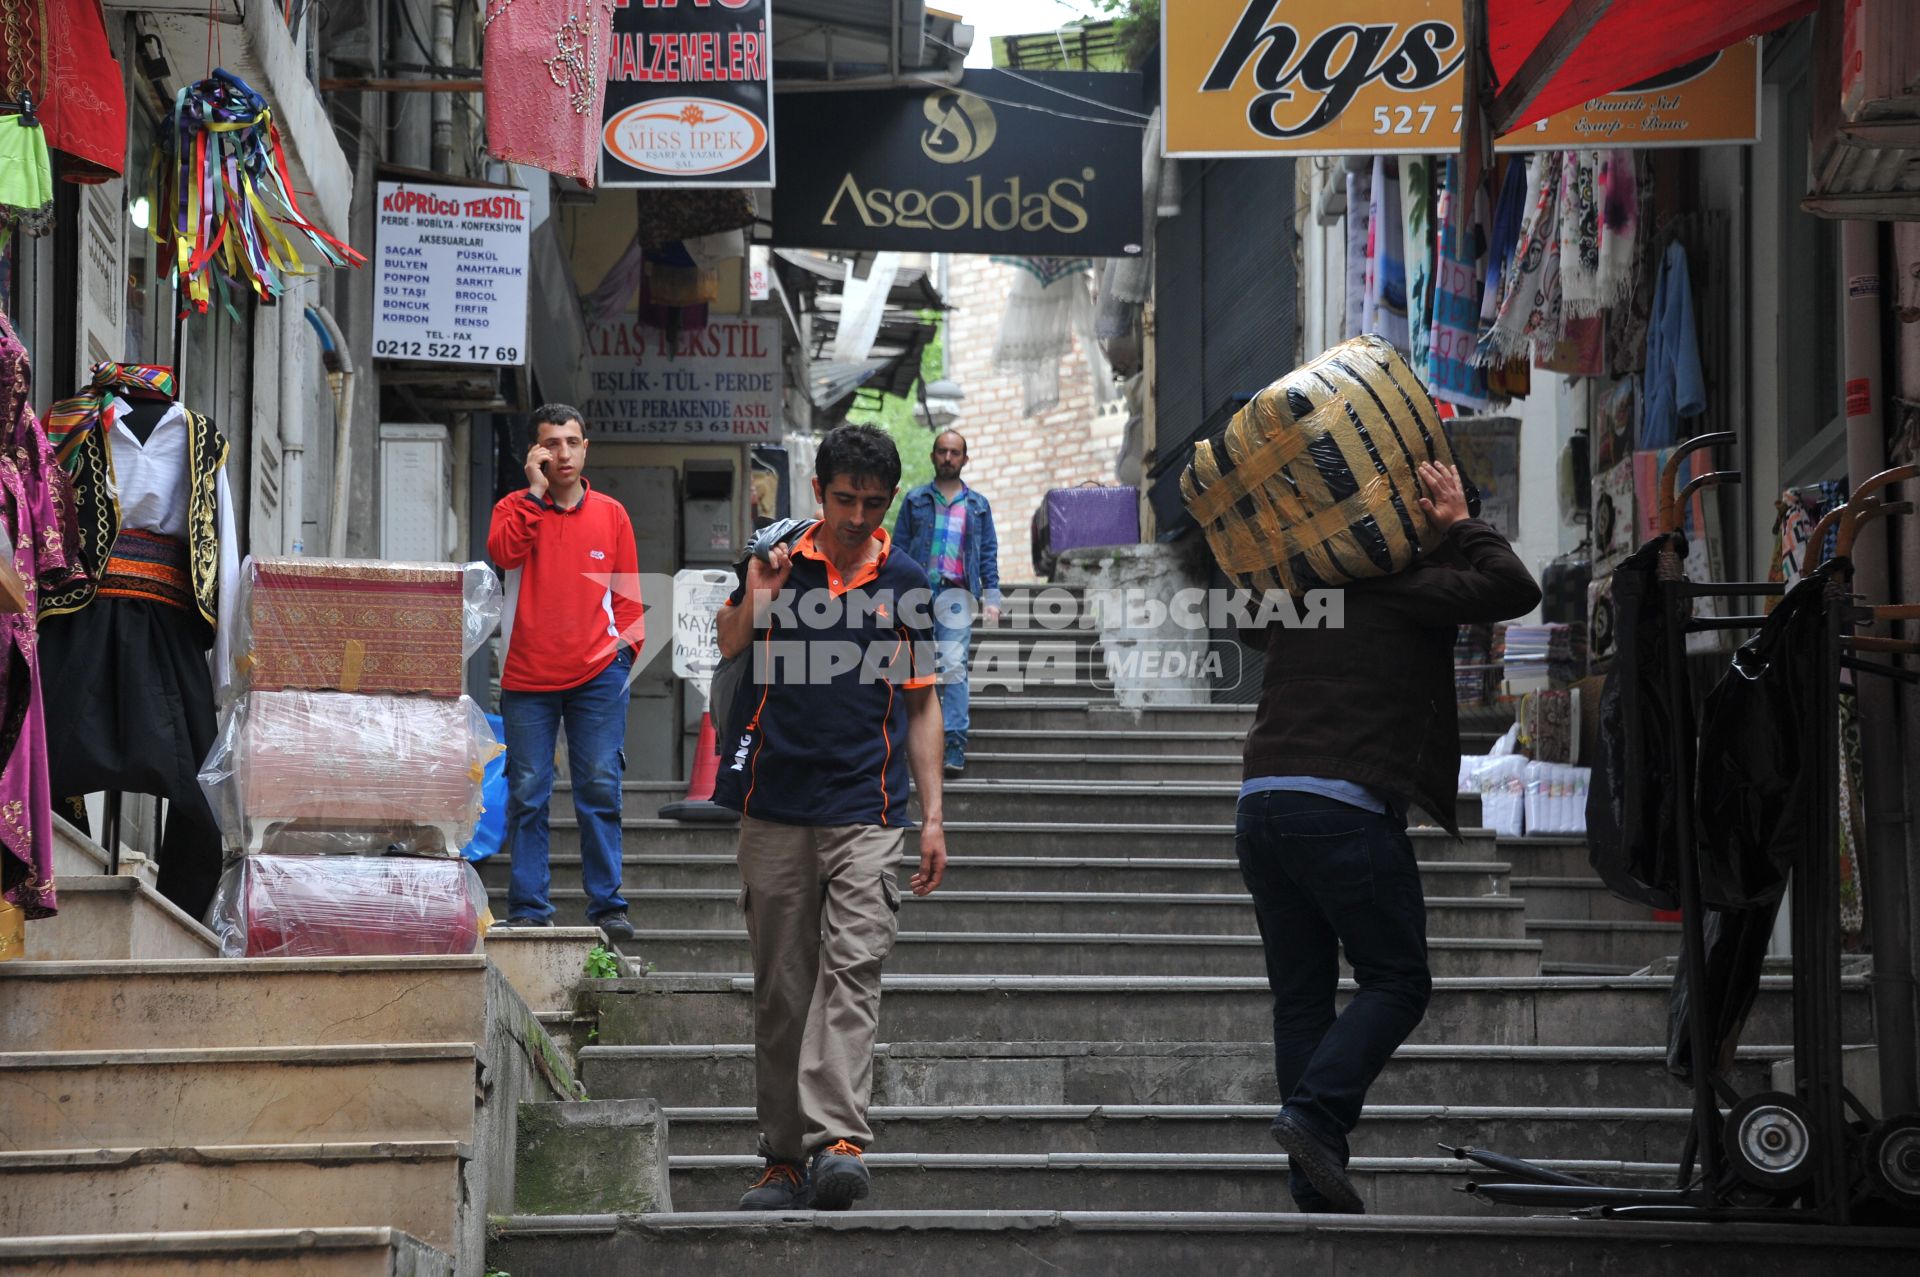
x=1016, y=458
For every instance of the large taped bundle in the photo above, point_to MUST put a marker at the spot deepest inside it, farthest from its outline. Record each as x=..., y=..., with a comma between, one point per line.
x=348, y=907
x=360, y=625
x=327, y=771
x=1313, y=483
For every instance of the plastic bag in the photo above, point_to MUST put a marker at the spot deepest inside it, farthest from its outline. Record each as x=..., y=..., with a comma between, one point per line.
x=329, y=772
x=1556, y=798
x=348, y=907
x=361, y=625
x=491, y=833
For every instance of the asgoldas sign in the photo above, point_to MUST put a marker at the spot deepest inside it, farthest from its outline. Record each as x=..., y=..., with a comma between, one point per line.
x=1349, y=77
x=1035, y=164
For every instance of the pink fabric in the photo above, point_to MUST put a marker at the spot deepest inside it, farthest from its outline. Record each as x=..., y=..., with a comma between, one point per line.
x=36, y=508
x=545, y=75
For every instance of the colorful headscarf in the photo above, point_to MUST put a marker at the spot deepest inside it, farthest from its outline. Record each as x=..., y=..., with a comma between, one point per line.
x=69, y=420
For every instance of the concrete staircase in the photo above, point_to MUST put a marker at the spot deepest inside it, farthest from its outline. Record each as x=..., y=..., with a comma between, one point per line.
x=1075, y=1073
x=163, y=1111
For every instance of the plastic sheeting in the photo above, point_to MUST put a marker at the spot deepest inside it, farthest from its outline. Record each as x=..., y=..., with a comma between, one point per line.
x=348, y=907
x=330, y=772
x=360, y=625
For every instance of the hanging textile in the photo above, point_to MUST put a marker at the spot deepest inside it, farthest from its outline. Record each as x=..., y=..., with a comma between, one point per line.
x=1599, y=217
x=1627, y=321
x=1386, y=310
x=26, y=177
x=221, y=193
x=1529, y=312
x=1359, y=213
x=1451, y=372
x=1416, y=203
x=1853, y=825
x=37, y=515
x=1048, y=302
x=1503, y=245
x=1580, y=350
x=544, y=72
x=1675, y=386
x=57, y=51
x=1129, y=280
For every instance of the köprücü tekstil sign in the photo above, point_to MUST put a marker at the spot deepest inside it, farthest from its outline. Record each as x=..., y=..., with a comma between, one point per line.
x=451, y=274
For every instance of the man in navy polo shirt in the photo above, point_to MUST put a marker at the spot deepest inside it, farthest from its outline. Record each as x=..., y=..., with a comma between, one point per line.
x=844, y=679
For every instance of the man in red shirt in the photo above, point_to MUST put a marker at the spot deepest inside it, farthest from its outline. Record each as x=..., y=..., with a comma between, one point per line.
x=573, y=623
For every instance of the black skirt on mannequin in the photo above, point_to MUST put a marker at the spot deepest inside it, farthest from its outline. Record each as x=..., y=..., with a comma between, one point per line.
x=129, y=706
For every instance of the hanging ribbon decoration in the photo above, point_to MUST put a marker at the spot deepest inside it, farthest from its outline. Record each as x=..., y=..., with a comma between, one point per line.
x=221, y=195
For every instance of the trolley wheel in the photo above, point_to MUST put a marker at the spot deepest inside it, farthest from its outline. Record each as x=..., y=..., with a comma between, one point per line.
x=1769, y=1141
x=1893, y=1160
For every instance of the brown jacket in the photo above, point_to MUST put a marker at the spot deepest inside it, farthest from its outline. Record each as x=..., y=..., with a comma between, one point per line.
x=1373, y=701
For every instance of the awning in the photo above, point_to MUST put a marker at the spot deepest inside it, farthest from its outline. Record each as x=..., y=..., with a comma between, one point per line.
x=1553, y=54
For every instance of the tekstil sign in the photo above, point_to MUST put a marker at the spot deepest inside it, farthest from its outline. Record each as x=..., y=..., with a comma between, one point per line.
x=1351, y=77
x=721, y=382
x=1043, y=163
x=689, y=95
x=451, y=274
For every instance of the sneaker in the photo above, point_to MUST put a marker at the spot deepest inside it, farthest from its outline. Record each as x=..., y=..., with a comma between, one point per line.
x=614, y=926
x=839, y=1176
x=954, y=771
x=782, y=1186
x=525, y=920
x=1319, y=1163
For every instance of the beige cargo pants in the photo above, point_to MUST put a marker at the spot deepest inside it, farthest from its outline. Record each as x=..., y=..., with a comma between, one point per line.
x=820, y=905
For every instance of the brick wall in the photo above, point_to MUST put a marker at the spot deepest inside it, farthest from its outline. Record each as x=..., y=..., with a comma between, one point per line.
x=1013, y=458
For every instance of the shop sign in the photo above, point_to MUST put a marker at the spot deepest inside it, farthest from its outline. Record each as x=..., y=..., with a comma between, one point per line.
x=689, y=95
x=1035, y=164
x=698, y=594
x=718, y=383
x=1353, y=77
x=451, y=274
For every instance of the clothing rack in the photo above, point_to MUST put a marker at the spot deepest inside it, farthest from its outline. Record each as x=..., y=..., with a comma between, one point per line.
x=24, y=107
x=1770, y=1155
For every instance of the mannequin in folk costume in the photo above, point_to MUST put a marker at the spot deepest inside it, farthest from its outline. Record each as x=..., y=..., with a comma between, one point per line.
x=130, y=694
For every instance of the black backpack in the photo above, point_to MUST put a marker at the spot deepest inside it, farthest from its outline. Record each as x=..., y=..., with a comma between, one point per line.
x=730, y=699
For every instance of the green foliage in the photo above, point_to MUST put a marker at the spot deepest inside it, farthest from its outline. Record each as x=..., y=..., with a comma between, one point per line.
x=603, y=964
x=1137, y=24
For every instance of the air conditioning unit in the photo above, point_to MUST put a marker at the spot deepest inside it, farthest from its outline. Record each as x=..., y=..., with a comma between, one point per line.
x=1864, y=149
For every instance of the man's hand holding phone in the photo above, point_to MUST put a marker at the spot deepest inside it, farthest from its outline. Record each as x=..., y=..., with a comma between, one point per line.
x=537, y=461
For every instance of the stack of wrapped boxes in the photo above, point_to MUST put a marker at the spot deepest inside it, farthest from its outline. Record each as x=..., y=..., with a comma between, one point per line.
x=347, y=776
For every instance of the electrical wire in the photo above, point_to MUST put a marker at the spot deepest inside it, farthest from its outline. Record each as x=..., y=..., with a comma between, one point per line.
x=1138, y=124
x=1142, y=116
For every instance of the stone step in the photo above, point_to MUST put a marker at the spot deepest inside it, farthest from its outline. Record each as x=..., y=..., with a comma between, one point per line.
x=718, y=871
x=104, y=1006
x=1071, y=953
x=1244, y=1182
x=1210, y=839
x=957, y=1243
x=1551, y=856
x=1546, y=1011
x=543, y=964
x=414, y=1187
x=1132, y=913
x=978, y=1072
x=105, y=917
x=1103, y=743
x=1576, y=898
x=54, y=1100
x=1102, y=767
x=1610, y=946
x=1412, y=1131
x=1102, y=714
x=283, y=1252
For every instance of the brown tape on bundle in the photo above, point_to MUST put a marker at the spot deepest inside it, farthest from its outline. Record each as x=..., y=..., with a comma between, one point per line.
x=1268, y=508
x=353, y=662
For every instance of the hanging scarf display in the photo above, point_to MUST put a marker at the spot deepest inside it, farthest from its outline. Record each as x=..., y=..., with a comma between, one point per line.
x=1509, y=214
x=1529, y=312
x=543, y=69
x=1416, y=203
x=1386, y=311
x=58, y=52
x=221, y=193
x=1451, y=373
x=1359, y=200
x=1048, y=302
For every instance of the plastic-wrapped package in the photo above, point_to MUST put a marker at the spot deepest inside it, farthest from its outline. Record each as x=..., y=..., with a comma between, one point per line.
x=1556, y=798
x=361, y=625
x=326, y=771
x=1502, y=782
x=1313, y=482
x=348, y=907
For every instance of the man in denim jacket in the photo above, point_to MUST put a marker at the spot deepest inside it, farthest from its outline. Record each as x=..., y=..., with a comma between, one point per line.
x=948, y=527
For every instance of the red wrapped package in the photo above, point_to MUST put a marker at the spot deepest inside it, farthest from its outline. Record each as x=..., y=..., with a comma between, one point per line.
x=348, y=907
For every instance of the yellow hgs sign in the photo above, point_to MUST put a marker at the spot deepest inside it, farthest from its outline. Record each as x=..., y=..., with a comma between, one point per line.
x=1348, y=77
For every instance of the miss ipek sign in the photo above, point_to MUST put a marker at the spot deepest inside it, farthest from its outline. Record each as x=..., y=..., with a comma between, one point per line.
x=689, y=94
x=1035, y=164
x=1352, y=77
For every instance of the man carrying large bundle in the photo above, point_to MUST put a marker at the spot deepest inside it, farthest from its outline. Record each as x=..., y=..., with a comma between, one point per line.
x=1357, y=721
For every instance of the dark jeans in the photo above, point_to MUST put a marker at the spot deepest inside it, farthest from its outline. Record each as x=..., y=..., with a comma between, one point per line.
x=596, y=717
x=1326, y=876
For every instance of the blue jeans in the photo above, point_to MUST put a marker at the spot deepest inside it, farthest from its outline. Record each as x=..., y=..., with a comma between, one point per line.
x=1327, y=876
x=596, y=717
x=952, y=639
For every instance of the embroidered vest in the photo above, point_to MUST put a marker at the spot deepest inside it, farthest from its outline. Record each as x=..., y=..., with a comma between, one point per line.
x=99, y=516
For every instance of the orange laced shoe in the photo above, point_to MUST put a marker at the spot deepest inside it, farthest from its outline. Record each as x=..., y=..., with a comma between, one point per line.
x=840, y=1176
x=782, y=1186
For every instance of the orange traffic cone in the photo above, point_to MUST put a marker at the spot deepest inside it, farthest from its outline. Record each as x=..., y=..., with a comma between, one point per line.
x=698, y=805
